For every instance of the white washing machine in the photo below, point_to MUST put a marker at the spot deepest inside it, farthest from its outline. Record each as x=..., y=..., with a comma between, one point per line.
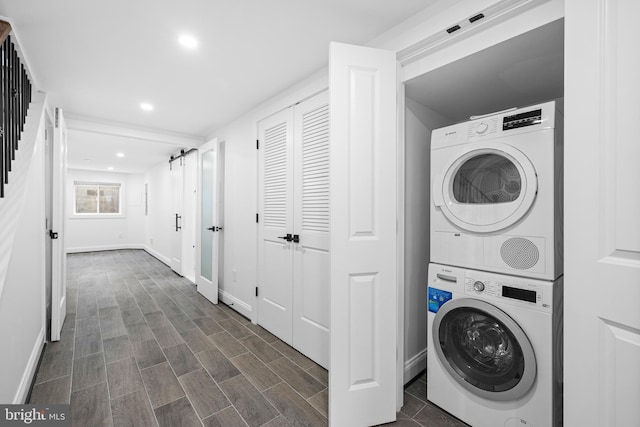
x=496, y=196
x=494, y=347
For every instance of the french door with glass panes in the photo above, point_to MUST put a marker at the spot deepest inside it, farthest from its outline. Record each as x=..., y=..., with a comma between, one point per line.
x=293, y=232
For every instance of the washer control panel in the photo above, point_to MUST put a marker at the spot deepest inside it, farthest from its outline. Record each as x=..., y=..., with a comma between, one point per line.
x=496, y=289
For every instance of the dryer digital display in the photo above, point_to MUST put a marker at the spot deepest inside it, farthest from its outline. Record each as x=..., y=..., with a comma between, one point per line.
x=528, y=118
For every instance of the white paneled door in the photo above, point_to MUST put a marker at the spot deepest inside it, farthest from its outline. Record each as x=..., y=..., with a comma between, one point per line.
x=311, y=263
x=275, y=225
x=602, y=211
x=209, y=228
x=363, y=164
x=57, y=232
x=175, y=220
x=293, y=259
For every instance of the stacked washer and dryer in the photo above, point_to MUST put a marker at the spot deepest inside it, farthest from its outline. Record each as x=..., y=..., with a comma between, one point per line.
x=495, y=279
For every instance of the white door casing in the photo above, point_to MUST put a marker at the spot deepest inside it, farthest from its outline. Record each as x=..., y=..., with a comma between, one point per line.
x=311, y=262
x=602, y=207
x=175, y=219
x=363, y=203
x=59, y=260
x=207, y=211
x=275, y=201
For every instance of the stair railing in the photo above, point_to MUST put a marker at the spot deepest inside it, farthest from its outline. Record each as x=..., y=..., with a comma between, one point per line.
x=15, y=94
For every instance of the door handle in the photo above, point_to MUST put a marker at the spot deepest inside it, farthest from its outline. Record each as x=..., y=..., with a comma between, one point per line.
x=53, y=235
x=218, y=228
x=214, y=228
x=287, y=237
x=296, y=238
x=177, y=217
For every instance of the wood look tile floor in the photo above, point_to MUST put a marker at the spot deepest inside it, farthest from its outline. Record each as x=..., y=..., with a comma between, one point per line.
x=140, y=347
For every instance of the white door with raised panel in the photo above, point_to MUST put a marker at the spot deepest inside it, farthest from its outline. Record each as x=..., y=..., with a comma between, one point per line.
x=363, y=163
x=59, y=256
x=602, y=212
x=275, y=210
x=311, y=262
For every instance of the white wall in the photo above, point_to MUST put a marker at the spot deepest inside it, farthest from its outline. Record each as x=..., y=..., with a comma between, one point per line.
x=240, y=193
x=22, y=293
x=158, y=225
x=419, y=122
x=99, y=233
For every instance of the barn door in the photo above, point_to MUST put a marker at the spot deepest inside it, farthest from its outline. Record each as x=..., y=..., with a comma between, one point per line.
x=175, y=220
x=363, y=168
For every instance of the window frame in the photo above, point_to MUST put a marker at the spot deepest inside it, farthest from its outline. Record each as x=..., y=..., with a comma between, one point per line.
x=98, y=215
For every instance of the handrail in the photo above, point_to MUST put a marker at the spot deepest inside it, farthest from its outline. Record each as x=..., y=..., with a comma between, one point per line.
x=5, y=29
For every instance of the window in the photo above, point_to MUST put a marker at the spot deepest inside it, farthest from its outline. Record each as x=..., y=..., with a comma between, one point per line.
x=97, y=198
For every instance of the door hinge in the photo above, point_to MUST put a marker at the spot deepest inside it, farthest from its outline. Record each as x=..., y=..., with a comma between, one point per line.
x=57, y=117
x=256, y=291
x=257, y=144
x=257, y=218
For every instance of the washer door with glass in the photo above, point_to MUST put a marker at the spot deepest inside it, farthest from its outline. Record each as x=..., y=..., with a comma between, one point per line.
x=486, y=189
x=484, y=349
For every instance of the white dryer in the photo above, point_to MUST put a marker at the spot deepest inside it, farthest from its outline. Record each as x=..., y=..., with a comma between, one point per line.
x=494, y=345
x=496, y=196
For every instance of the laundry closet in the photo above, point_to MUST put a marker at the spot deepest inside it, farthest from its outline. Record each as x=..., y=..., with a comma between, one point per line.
x=518, y=72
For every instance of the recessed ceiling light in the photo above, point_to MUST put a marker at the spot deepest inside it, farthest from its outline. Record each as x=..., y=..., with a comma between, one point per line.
x=110, y=168
x=120, y=154
x=146, y=106
x=188, y=41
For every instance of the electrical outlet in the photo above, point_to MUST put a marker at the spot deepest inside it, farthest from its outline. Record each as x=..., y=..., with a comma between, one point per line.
x=151, y=241
x=235, y=275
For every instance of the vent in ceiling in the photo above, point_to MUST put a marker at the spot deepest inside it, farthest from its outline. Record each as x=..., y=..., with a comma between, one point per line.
x=500, y=11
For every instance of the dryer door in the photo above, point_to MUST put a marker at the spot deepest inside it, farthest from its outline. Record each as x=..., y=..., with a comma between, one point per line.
x=486, y=189
x=484, y=349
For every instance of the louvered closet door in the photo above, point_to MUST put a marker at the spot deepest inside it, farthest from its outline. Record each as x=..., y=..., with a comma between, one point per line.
x=311, y=273
x=275, y=209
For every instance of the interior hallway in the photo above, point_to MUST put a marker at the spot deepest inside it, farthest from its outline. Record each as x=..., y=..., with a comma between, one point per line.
x=141, y=347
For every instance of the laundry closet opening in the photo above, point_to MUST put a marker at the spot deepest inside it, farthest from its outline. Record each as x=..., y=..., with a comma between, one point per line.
x=524, y=70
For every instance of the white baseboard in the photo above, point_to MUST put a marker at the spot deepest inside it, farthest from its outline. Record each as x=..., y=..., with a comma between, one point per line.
x=238, y=305
x=30, y=370
x=415, y=365
x=103, y=248
x=157, y=255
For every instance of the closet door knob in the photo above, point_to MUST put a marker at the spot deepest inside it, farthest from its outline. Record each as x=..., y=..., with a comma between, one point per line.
x=296, y=238
x=287, y=237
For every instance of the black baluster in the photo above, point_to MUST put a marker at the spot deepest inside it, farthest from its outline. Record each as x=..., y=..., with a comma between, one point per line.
x=14, y=93
x=21, y=98
x=7, y=112
x=2, y=105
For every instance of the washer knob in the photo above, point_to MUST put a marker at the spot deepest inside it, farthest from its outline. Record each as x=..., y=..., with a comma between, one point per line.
x=482, y=128
x=478, y=286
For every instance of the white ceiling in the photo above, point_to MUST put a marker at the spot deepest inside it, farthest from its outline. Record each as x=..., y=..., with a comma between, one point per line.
x=97, y=151
x=521, y=71
x=101, y=59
